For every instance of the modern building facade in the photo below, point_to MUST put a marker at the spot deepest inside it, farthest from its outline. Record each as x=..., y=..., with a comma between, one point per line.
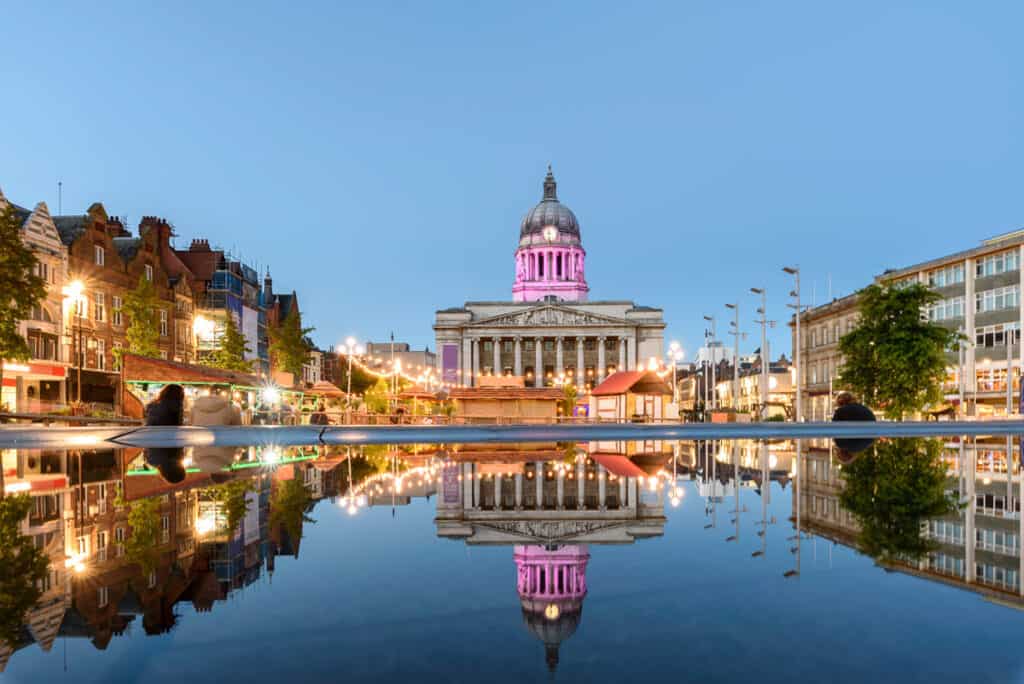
x=550, y=332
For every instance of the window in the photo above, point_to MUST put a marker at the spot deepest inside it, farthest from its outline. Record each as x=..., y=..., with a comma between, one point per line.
x=116, y=306
x=528, y=345
x=149, y=272
x=99, y=311
x=151, y=580
x=163, y=354
x=995, y=335
x=99, y=255
x=950, y=275
x=997, y=299
x=549, y=345
x=487, y=346
x=101, y=354
x=163, y=322
x=996, y=263
x=102, y=597
x=117, y=356
x=946, y=309
x=507, y=346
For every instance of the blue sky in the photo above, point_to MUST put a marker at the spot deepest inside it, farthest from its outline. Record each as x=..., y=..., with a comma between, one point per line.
x=379, y=157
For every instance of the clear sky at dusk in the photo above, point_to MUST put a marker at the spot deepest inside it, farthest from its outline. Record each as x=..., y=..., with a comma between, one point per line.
x=379, y=157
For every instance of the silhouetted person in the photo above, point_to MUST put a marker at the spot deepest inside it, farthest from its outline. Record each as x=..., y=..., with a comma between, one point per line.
x=848, y=409
x=168, y=408
x=169, y=462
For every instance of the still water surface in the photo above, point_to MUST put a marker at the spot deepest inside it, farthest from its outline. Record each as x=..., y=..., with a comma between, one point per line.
x=602, y=561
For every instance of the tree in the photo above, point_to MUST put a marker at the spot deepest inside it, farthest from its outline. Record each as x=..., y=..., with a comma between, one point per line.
x=895, y=358
x=376, y=398
x=232, y=498
x=891, y=489
x=22, y=567
x=288, y=343
x=569, y=394
x=23, y=290
x=144, y=525
x=231, y=351
x=361, y=379
x=289, y=506
x=141, y=307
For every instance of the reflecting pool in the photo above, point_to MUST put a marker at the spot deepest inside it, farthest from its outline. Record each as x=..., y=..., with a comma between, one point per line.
x=595, y=561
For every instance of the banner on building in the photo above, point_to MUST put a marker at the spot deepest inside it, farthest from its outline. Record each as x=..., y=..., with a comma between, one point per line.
x=450, y=363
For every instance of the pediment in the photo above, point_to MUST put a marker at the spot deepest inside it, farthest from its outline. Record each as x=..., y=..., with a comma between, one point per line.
x=555, y=531
x=549, y=315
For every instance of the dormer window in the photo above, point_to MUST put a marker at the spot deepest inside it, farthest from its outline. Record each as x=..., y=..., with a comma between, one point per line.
x=99, y=255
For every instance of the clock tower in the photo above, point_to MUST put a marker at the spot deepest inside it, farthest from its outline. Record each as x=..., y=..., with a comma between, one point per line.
x=549, y=260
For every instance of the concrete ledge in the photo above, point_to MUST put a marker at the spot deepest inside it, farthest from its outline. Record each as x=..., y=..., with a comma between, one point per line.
x=297, y=435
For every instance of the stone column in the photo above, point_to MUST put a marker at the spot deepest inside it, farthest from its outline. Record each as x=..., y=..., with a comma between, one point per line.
x=519, y=491
x=476, y=361
x=622, y=354
x=560, y=490
x=601, y=489
x=581, y=375
x=539, y=477
x=559, y=367
x=467, y=361
x=580, y=483
x=497, y=491
x=476, y=490
x=538, y=366
x=622, y=491
x=601, y=363
x=518, y=365
x=497, y=356
x=467, y=485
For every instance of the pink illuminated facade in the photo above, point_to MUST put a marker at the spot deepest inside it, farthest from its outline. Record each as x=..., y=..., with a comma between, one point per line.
x=552, y=583
x=550, y=257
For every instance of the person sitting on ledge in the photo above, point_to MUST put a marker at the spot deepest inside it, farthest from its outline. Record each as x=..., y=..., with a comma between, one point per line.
x=168, y=408
x=849, y=410
x=214, y=409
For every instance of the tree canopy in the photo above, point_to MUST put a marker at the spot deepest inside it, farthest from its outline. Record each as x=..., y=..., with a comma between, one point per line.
x=23, y=289
x=895, y=358
x=891, y=489
x=288, y=345
x=231, y=349
x=22, y=567
x=289, y=506
x=141, y=307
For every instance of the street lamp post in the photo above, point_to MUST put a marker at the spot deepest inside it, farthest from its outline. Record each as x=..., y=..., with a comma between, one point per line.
x=763, y=310
x=74, y=292
x=735, y=332
x=795, y=272
x=350, y=349
x=675, y=353
x=712, y=361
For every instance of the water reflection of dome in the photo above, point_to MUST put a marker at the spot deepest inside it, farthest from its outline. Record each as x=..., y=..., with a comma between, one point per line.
x=552, y=584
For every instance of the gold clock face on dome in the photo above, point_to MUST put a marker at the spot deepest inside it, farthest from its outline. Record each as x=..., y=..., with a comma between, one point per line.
x=550, y=233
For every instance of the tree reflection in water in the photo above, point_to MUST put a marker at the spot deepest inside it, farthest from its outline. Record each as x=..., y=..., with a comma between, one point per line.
x=22, y=568
x=892, y=488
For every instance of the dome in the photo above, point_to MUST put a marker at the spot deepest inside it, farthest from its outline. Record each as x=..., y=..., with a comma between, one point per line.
x=549, y=212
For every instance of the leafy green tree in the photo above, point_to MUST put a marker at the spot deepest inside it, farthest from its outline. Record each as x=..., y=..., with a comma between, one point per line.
x=891, y=489
x=289, y=506
x=376, y=398
x=22, y=288
x=361, y=380
x=144, y=526
x=895, y=358
x=569, y=395
x=231, y=496
x=288, y=344
x=22, y=567
x=231, y=351
x=141, y=307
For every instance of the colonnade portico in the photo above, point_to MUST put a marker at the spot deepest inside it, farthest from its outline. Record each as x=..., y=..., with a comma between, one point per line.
x=539, y=488
x=582, y=358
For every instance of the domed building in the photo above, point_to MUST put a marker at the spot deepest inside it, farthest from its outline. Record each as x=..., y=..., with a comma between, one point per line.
x=552, y=583
x=550, y=330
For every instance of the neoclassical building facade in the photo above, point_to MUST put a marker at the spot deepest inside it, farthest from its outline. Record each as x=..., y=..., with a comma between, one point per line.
x=549, y=331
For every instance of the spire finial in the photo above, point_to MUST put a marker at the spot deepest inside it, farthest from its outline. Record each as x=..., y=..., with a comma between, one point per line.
x=550, y=185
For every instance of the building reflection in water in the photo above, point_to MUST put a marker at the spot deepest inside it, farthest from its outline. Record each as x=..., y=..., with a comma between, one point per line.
x=975, y=547
x=102, y=576
x=551, y=503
